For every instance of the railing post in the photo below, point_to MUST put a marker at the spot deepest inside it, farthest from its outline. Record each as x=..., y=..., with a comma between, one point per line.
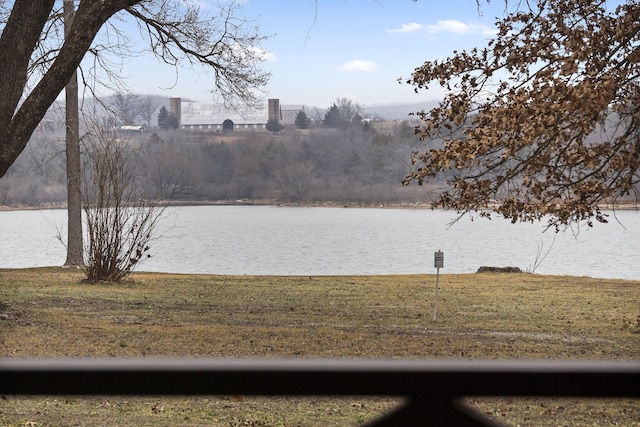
x=421, y=411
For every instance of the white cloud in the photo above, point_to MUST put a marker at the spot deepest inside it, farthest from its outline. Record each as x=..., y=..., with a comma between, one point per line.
x=357, y=65
x=407, y=28
x=460, y=28
x=266, y=55
x=253, y=52
x=445, y=26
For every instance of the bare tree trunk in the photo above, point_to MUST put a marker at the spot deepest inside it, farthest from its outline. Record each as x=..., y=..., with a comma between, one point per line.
x=74, y=195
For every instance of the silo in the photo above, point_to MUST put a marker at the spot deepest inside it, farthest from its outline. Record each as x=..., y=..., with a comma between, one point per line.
x=274, y=110
x=175, y=106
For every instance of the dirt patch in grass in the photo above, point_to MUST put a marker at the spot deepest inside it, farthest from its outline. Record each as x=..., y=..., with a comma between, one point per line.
x=51, y=313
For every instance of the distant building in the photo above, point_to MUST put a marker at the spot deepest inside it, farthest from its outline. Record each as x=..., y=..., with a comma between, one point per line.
x=132, y=129
x=289, y=113
x=214, y=117
x=285, y=114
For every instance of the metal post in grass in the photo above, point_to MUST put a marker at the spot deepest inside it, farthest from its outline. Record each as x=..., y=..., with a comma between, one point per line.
x=438, y=263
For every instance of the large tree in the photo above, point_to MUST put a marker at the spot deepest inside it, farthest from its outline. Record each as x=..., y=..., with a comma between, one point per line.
x=34, y=73
x=542, y=123
x=72, y=150
x=349, y=110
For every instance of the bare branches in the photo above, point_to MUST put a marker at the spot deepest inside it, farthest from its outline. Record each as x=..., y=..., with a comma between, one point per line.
x=38, y=61
x=222, y=44
x=544, y=120
x=121, y=223
x=18, y=43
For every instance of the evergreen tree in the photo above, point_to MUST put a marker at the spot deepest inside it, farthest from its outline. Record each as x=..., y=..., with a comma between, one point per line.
x=162, y=116
x=302, y=121
x=332, y=117
x=274, y=126
x=167, y=119
x=171, y=121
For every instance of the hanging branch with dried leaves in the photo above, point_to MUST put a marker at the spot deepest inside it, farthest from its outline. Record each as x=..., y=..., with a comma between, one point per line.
x=543, y=123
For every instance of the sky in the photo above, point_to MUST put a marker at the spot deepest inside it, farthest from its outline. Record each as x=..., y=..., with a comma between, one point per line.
x=321, y=50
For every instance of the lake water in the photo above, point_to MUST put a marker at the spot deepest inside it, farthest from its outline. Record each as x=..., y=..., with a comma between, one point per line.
x=271, y=240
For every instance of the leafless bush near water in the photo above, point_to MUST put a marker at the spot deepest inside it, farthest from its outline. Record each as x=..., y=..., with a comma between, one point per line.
x=120, y=221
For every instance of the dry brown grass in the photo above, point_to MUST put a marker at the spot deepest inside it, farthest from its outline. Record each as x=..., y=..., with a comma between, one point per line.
x=51, y=313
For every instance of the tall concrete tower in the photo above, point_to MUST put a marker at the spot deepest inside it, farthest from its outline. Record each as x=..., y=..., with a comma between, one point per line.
x=274, y=110
x=175, y=106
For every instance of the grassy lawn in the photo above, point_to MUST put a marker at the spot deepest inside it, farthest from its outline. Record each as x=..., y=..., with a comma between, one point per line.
x=50, y=312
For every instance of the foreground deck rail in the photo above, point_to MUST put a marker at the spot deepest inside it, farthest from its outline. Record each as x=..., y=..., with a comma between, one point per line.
x=433, y=388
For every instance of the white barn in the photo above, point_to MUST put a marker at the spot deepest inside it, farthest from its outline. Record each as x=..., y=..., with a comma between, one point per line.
x=218, y=118
x=214, y=117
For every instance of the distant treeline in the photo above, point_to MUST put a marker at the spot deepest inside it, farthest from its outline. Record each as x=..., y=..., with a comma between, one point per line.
x=354, y=165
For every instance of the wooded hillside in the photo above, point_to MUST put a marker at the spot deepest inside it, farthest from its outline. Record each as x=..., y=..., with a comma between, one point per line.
x=360, y=164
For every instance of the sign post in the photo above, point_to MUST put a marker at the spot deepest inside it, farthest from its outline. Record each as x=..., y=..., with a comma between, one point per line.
x=438, y=264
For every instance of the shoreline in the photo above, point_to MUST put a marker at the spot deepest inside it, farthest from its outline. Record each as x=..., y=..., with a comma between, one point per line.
x=272, y=202
x=244, y=202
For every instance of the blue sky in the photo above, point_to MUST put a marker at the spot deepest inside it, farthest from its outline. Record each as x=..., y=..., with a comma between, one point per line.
x=321, y=51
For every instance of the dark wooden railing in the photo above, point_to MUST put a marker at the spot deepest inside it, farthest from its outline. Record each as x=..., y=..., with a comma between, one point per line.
x=433, y=389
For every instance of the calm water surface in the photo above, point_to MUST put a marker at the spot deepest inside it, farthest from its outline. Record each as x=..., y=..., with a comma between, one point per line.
x=269, y=240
